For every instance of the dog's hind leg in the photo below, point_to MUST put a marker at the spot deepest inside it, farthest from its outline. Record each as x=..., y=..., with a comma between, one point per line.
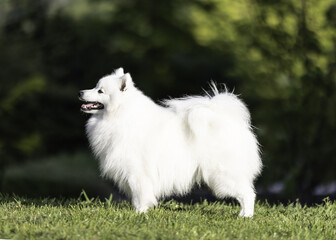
x=246, y=201
x=226, y=186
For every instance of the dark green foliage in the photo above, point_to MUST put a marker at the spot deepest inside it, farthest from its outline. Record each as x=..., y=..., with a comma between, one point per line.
x=279, y=55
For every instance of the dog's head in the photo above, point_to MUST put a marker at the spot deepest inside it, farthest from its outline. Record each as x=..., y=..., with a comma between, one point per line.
x=107, y=94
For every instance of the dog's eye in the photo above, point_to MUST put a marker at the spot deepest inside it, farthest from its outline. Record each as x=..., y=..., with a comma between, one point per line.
x=100, y=91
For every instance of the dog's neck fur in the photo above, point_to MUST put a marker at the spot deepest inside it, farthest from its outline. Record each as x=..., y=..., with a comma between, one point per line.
x=128, y=114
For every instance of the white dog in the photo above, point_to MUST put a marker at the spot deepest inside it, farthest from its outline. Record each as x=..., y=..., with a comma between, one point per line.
x=152, y=151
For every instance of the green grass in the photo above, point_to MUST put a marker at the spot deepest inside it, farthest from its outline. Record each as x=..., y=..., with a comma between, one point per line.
x=22, y=218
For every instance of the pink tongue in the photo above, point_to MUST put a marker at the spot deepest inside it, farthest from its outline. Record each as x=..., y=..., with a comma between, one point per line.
x=86, y=105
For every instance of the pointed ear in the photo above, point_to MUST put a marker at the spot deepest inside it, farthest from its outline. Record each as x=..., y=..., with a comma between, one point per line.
x=118, y=72
x=126, y=82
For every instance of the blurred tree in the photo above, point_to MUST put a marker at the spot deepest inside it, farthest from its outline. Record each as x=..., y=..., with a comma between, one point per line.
x=284, y=55
x=281, y=55
x=294, y=47
x=21, y=82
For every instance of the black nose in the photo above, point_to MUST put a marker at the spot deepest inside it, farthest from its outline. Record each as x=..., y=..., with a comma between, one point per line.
x=80, y=93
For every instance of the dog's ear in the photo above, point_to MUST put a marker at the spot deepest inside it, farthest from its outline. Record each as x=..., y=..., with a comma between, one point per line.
x=126, y=82
x=118, y=72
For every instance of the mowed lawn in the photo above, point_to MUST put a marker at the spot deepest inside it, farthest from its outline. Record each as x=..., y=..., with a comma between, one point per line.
x=22, y=218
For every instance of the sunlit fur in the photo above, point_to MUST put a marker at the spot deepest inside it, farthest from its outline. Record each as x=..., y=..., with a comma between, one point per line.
x=152, y=151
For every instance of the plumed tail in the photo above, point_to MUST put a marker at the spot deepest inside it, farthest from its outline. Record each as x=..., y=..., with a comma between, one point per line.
x=217, y=101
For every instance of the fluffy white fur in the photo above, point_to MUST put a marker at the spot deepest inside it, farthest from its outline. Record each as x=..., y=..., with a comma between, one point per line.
x=152, y=151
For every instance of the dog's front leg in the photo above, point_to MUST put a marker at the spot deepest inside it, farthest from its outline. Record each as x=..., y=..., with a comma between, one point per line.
x=142, y=194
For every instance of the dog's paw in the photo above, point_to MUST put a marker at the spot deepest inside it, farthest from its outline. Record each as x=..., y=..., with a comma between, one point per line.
x=245, y=215
x=141, y=209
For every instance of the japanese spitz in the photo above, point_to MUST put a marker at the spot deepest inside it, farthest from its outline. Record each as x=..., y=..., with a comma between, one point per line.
x=152, y=151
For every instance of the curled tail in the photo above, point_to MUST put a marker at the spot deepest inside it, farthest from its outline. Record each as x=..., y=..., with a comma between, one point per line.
x=214, y=106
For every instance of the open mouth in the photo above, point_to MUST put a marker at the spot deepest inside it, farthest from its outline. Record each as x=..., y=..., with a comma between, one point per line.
x=88, y=106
